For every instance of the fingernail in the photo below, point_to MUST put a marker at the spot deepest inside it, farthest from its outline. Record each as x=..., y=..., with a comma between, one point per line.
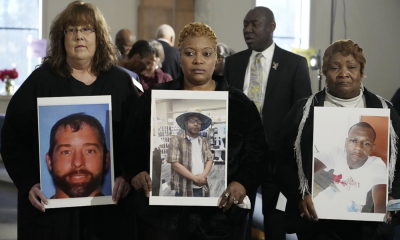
x=46, y=202
x=315, y=219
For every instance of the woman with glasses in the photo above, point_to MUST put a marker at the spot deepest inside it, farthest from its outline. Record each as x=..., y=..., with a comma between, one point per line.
x=80, y=61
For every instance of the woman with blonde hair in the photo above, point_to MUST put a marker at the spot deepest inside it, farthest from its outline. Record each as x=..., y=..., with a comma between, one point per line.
x=80, y=61
x=246, y=153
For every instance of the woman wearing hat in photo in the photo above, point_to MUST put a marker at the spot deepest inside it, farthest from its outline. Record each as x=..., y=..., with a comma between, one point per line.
x=247, y=151
x=190, y=156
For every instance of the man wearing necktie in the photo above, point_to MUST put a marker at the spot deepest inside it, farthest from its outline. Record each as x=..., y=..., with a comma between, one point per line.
x=274, y=79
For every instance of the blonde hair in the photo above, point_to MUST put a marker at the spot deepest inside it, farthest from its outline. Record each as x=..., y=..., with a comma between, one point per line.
x=80, y=13
x=196, y=29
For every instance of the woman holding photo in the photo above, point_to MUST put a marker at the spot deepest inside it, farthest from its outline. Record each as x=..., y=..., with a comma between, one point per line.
x=81, y=61
x=343, y=66
x=246, y=154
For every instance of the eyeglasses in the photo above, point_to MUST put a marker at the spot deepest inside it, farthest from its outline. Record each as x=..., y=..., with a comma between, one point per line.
x=74, y=31
x=193, y=121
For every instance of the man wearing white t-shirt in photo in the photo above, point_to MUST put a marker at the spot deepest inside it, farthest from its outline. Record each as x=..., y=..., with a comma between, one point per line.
x=190, y=156
x=355, y=173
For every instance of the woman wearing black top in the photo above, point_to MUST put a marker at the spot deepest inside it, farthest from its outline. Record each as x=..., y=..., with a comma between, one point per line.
x=80, y=62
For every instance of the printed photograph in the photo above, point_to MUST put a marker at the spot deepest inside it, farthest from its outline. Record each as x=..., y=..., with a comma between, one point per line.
x=189, y=147
x=350, y=172
x=76, y=164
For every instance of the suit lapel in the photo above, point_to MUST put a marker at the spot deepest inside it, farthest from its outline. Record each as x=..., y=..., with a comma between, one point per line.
x=274, y=71
x=241, y=69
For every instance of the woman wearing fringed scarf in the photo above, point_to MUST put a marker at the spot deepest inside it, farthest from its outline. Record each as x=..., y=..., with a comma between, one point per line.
x=343, y=66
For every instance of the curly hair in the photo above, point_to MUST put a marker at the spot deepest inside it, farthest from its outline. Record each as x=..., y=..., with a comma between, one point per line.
x=345, y=47
x=79, y=13
x=196, y=29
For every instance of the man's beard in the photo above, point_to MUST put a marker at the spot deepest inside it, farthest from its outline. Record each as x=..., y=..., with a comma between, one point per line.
x=74, y=190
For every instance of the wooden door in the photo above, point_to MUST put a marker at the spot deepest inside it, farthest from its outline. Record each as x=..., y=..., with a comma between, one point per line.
x=153, y=13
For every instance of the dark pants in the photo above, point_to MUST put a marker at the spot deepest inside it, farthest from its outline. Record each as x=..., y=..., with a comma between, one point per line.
x=273, y=219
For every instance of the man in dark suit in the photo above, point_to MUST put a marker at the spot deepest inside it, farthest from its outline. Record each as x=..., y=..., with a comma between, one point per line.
x=283, y=79
x=165, y=34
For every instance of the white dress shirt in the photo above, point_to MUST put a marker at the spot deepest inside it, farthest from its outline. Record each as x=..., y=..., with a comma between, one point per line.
x=266, y=61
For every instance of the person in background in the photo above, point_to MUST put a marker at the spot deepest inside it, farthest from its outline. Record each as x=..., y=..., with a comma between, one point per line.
x=274, y=79
x=222, y=52
x=343, y=66
x=81, y=61
x=141, y=56
x=142, y=59
x=247, y=152
x=124, y=41
x=160, y=56
x=152, y=73
x=165, y=34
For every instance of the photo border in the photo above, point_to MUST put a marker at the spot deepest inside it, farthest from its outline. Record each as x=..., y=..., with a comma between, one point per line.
x=69, y=101
x=322, y=117
x=201, y=95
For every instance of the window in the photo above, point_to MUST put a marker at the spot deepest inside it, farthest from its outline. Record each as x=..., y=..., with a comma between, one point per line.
x=20, y=21
x=292, y=19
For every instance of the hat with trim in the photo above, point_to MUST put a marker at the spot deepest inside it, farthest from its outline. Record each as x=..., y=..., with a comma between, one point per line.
x=180, y=120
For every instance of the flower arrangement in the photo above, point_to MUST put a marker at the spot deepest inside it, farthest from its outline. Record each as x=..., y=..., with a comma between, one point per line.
x=6, y=76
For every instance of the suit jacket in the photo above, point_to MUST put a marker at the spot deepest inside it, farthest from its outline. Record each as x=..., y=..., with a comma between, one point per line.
x=171, y=63
x=287, y=84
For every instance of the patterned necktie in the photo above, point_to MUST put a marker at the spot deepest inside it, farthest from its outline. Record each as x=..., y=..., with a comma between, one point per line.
x=256, y=81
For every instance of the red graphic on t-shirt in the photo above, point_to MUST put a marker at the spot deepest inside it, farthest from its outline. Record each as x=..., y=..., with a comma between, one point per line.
x=337, y=178
x=349, y=182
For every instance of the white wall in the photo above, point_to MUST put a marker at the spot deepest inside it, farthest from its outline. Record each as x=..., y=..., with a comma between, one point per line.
x=371, y=24
x=118, y=13
x=225, y=17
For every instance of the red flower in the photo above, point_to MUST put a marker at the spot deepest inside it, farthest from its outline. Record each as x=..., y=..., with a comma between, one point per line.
x=8, y=74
